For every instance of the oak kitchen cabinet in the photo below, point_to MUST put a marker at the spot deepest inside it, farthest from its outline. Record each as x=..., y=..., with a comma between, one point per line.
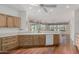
x=25, y=40
x=0, y=44
x=2, y=20
x=56, y=39
x=42, y=40
x=10, y=21
x=32, y=40
x=36, y=41
x=17, y=22
x=9, y=43
x=13, y=21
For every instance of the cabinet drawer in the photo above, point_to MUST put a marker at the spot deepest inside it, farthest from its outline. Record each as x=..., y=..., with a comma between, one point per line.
x=26, y=36
x=8, y=40
x=27, y=43
x=9, y=46
x=28, y=40
x=14, y=42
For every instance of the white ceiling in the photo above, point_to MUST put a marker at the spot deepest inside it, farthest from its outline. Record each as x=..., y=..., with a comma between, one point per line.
x=62, y=13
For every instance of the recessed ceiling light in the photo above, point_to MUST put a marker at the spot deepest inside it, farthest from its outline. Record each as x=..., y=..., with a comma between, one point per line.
x=67, y=6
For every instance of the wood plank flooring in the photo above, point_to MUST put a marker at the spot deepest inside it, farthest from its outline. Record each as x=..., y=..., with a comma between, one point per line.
x=62, y=49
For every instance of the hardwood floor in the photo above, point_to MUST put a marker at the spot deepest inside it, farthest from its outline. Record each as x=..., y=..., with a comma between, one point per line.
x=67, y=48
x=62, y=49
x=41, y=50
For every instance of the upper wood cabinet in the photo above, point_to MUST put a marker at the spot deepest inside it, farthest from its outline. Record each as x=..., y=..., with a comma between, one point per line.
x=2, y=20
x=10, y=21
x=17, y=21
x=13, y=21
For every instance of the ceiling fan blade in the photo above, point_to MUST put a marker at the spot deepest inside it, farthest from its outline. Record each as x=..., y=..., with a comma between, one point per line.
x=44, y=6
x=48, y=5
x=45, y=9
x=41, y=5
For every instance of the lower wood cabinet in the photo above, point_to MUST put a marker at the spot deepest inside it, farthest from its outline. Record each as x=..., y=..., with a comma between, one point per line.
x=32, y=40
x=9, y=43
x=26, y=40
x=0, y=44
x=42, y=40
x=56, y=39
x=36, y=41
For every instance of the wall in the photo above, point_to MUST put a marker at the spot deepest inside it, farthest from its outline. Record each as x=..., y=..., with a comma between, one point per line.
x=72, y=27
x=76, y=23
x=24, y=21
x=6, y=10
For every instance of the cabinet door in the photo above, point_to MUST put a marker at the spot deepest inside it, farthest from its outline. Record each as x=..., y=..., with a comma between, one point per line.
x=42, y=40
x=36, y=41
x=0, y=44
x=9, y=43
x=3, y=20
x=17, y=22
x=26, y=41
x=56, y=39
x=10, y=21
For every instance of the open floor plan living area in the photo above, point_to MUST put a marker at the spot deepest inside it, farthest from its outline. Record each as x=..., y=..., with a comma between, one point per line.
x=39, y=28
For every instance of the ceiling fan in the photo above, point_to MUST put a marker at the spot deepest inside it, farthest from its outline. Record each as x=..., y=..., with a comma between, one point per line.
x=45, y=6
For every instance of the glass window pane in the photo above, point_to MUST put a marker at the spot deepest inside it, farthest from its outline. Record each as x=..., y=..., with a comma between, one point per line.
x=62, y=28
x=46, y=27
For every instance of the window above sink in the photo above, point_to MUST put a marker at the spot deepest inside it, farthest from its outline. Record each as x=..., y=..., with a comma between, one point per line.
x=39, y=27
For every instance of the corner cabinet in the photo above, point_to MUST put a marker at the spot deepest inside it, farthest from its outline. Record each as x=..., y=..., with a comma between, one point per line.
x=2, y=20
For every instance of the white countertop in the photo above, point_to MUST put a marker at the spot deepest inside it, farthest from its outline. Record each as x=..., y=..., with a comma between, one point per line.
x=26, y=33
